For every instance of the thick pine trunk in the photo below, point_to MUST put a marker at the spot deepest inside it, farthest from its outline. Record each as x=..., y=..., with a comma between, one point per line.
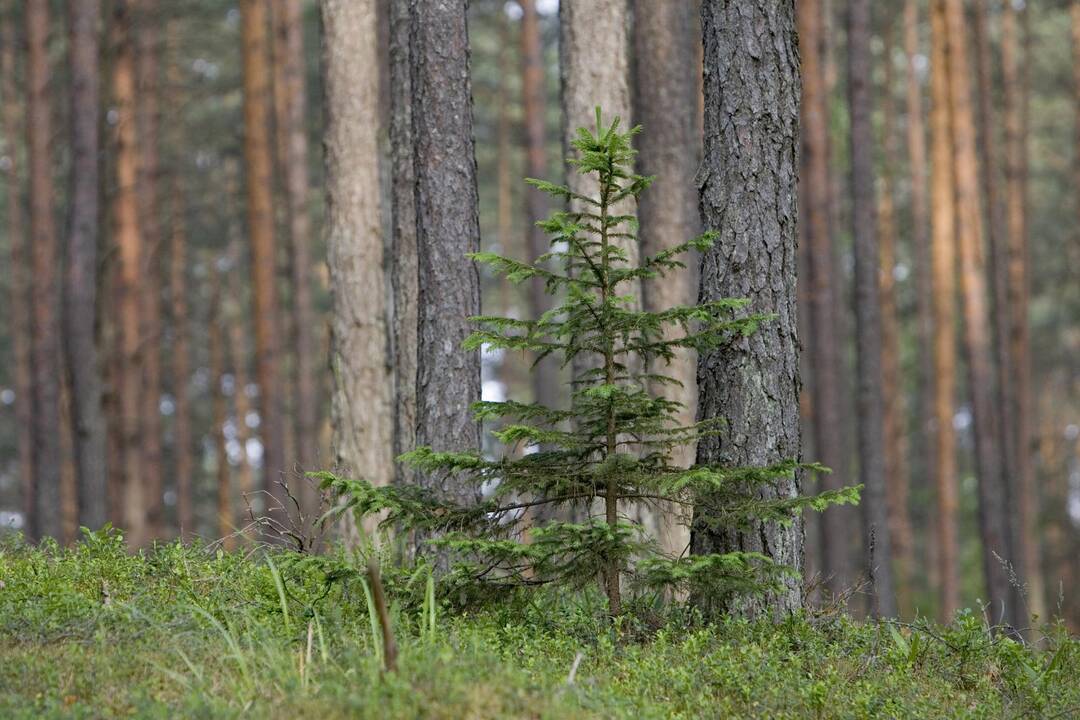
x=19, y=311
x=877, y=547
x=1025, y=492
x=748, y=189
x=363, y=428
x=943, y=257
x=403, y=236
x=545, y=375
x=447, y=227
x=45, y=289
x=664, y=78
x=129, y=275
x=80, y=288
x=259, y=187
x=993, y=503
x=821, y=322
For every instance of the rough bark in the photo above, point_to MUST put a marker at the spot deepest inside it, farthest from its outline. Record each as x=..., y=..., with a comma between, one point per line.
x=892, y=383
x=288, y=16
x=129, y=275
x=943, y=257
x=80, y=286
x=260, y=214
x=868, y=400
x=924, y=465
x=147, y=42
x=45, y=295
x=823, y=341
x=20, y=273
x=403, y=236
x=363, y=429
x=993, y=522
x=664, y=78
x=447, y=227
x=1025, y=492
x=748, y=194
x=545, y=375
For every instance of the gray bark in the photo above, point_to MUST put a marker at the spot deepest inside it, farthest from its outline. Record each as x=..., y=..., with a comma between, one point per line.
x=80, y=288
x=748, y=194
x=447, y=227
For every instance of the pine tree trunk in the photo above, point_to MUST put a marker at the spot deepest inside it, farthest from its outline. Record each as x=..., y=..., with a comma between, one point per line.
x=259, y=187
x=288, y=16
x=45, y=295
x=748, y=188
x=943, y=224
x=664, y=78
x=892, y=385
x=925, y=464
x=216, y=343
x=993, y=522
x=823, y=341
x=545, y=375
x=447, y=227
x=877, y=547
x=403, y=237
x=147, y=111
x=20, y=273
x=129, y=275
x=80, y=287
x=363, y=430
x=1025, y=492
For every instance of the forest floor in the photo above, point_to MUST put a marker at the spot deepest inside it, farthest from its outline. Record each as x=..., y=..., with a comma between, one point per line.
x=95, y=632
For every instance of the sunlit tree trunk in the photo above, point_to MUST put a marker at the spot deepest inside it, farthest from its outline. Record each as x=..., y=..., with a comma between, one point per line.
x=19, y=310
x=823, y=341
x=749, y=176
x=447, y=227
x=943, y=258
x=924, y=464
x=993, y=522
x=80, y=286
x=869, y=405
x=1026, y=493
x=129, y=274
x=147, y=41
x=292, y=96
x=363, y=428
x=259, y=186
x=664, y=78
x=892, y=382
x=545, y=379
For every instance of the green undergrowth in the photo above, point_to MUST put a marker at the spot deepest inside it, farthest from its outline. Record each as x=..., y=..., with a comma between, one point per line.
x=92, y=631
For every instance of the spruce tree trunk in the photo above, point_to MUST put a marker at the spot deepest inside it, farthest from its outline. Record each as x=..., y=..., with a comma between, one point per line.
x=894, y=428
x=129, y=275
x=45, y=296
x=545, y=375
x=925, y=464
x=403, y=236
x=363, y=427
x=447, y=227
x=748, y=188
x=993, y=521
x=943, y=258
x=288, y=17
x=877, y=548
x=823, y=342
x=20, y=273
x=1026, y=492
x=259, y=187
x=80, y=287
x=664, y=79
x=147, y=41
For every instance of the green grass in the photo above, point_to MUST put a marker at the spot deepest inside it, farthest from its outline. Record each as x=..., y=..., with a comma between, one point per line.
x=92, y=631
